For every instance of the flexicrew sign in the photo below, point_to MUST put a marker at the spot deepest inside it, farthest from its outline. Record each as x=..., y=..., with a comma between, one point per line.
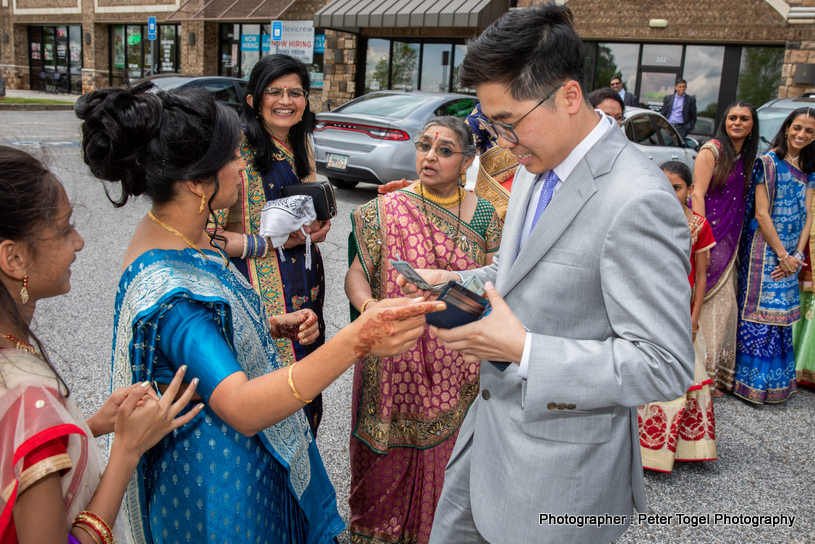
x=296, y=39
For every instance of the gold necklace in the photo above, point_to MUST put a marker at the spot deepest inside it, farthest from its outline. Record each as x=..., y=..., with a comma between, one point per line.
x=444, y=202
x=187, y=240
x=22, y=345
x=460, y=196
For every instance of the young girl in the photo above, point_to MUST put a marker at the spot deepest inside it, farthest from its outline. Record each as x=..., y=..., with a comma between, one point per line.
x=684, y=429
x=53, y=488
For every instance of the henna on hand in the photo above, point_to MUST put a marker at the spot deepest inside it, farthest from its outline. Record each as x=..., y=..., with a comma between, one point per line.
x=383, y=324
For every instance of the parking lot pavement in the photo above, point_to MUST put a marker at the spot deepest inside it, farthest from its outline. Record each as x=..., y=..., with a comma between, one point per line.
x=766, y=454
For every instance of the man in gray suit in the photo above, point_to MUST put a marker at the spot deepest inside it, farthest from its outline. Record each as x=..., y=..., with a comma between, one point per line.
x=590, y=310
x=628, y=98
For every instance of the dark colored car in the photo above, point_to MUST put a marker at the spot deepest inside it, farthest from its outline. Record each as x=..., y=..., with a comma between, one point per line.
x=227, y=90
x=704, y=130
x=370, y=138
x=772, y=114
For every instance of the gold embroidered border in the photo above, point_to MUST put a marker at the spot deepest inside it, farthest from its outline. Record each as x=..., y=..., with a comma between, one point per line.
x=264, y=272
x=41, y=469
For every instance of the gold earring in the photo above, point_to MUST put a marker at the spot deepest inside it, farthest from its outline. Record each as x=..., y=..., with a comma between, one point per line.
x=24, y=290
x=203, y=202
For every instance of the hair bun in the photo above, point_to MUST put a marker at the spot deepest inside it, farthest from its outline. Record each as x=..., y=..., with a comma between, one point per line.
x=118, y=124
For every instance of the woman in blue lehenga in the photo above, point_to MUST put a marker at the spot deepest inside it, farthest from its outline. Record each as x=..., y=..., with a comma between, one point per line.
x=776, y=233
x=247, y=469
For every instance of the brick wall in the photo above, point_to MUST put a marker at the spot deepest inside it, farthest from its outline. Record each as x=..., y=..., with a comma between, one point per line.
x=339, y=68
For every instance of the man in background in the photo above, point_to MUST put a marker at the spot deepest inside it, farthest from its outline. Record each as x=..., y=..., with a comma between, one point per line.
x=680, y=108
x=628, y=98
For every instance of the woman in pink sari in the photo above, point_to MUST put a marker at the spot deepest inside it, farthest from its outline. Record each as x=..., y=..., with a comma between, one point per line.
x=407, y=409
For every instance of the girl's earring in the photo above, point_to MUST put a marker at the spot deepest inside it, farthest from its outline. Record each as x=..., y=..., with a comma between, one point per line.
x=24, y=290
x=203, y=202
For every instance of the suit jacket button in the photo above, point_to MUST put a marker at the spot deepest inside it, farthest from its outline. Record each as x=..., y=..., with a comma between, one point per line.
x=571, y=406
x=485, y=394
x=561, y=405
x=552, y=406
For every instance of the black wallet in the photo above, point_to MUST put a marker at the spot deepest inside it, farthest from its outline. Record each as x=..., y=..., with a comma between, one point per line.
x=321, y=192
x=463, y=306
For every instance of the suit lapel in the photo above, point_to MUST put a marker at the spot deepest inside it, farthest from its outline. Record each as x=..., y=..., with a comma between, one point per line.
x=514, y=223
x=560, y=212
x=577, y=189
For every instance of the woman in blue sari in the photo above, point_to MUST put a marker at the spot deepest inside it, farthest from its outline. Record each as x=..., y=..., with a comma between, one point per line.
x=249, y=469
x=776, y=233
x=277, y=122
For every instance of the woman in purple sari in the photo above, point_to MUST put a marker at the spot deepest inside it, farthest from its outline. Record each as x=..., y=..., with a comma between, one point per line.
x=407, y=409
x=719, y=194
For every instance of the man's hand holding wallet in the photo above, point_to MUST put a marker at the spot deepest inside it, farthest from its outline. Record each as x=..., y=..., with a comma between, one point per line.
x=496, y=336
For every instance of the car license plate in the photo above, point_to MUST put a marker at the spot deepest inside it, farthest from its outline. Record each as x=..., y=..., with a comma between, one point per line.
x=338, y=162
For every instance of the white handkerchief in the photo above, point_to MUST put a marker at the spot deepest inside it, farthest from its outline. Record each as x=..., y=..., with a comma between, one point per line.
x=279, y=218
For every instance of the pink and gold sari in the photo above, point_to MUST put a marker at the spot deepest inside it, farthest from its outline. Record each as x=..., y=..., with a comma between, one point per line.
x=407, y=409
x=34, y=415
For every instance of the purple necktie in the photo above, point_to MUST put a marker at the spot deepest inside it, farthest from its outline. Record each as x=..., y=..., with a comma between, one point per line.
x=547, y=191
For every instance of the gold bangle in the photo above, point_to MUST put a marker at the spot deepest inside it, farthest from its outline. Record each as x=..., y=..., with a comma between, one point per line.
x=97, y=524
x=81, y=525
x=293, y=390
x=365, y=304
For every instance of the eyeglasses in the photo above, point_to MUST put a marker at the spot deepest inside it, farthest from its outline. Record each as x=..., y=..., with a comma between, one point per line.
x=442, y=151
x=506, y=131
x=277, y=92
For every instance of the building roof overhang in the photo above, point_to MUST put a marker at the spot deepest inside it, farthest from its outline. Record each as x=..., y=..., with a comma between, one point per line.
x=351, y=15
x=230, y=10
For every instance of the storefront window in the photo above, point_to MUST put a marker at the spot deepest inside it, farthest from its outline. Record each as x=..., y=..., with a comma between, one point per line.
x=134, y=51
x=75, y=57
x=436, y=60
x=250, y=48
x=405, y=66
x=133, y=56
x=377, y=65
x=616, y=59
x=117, y=54
x=229, y=64
x=395, y=65
x=168, y=46
x=703, y=72
x=55, y=58
x=459, y=51
x=759, y=74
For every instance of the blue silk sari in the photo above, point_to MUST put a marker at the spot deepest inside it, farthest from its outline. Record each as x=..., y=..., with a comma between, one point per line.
x=765, y=364
x=205, y=482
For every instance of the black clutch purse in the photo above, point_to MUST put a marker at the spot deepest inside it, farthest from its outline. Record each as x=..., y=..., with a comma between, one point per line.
x=321, y=192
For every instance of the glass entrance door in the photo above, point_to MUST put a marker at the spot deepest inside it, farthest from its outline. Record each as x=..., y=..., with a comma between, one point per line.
x=655, y=86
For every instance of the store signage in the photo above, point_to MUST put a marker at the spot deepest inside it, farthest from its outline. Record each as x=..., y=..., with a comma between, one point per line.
x=296, y=38
x=151, y=28
x=319, y=43
x=250, y=42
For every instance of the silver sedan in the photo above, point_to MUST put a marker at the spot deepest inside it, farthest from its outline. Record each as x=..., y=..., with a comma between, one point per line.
x=370, y=139
x=657, y=138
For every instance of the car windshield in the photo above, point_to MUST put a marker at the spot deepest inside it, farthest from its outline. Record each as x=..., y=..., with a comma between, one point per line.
x=393, y=106
x=769, y=122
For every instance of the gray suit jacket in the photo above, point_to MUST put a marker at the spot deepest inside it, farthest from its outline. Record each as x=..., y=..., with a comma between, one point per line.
x=603, y=285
